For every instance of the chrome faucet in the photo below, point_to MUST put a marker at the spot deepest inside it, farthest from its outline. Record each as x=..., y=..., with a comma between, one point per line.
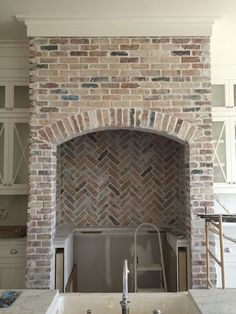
x=125, y=302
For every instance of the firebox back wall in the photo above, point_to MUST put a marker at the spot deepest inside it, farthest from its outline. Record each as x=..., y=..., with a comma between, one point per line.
x=120, y=178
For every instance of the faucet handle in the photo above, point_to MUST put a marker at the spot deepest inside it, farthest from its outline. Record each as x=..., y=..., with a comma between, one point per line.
x=156, y=311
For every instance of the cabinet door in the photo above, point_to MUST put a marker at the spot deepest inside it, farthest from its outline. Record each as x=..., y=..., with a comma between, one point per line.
x=220, y=94
x=222, y=150
x=12, y=276
x=3, y=93
x=4, y=147
x=18, y=153
x=233, y=151
x=19, y=96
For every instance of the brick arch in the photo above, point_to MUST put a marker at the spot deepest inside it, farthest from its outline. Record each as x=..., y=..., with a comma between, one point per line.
x=42, y=179
x=103, y=119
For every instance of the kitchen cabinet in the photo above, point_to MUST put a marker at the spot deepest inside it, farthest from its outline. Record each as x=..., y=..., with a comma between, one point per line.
x=13, y=155
x=224, y=152
x=223, y=95
x=14, y=97
x=12, y=263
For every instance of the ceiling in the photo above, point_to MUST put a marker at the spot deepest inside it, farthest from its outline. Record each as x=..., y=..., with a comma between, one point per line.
x=11, y=29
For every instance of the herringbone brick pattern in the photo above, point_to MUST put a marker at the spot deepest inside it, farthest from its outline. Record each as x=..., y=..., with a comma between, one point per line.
x=120, y=178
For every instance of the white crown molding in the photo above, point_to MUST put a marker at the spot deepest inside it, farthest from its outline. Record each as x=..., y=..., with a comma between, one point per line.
x=117, y=26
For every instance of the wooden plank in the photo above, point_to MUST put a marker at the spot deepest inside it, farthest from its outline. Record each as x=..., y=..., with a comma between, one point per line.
x=215, y=224
x=71, y=285
x=209, y=283
x=207, y=253
x=59, y=271
x=215, y=217
x=170, y=260
x=222, y=252
x=215, y=258
x=182, y=262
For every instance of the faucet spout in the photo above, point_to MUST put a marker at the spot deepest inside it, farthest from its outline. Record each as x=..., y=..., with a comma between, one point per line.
x=125, y=278
x=124, y=302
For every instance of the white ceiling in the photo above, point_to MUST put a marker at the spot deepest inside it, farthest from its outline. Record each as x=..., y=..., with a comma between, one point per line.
x=10, y=28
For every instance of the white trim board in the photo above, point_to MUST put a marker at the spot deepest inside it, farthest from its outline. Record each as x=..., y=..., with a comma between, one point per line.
x=66, y=26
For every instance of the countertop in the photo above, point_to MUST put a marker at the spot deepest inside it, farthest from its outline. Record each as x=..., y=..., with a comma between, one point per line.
x=212, y=301
x=62, y=233
x=215, y=301
x=33, y=302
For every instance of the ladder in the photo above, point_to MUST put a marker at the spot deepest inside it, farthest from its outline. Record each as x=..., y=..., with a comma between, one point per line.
x=214, y=224
x=158, y=267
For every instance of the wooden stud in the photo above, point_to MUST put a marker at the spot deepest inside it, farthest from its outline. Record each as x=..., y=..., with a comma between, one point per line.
x=222, y=251
x=207, y=254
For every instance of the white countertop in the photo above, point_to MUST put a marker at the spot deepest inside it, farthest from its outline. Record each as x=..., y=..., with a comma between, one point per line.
x=215, y=301
x=62, y=233
x=33, y=302
x=212, y=301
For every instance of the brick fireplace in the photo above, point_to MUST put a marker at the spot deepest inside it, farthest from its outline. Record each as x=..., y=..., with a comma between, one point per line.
x=121, y=178
x=156, y=89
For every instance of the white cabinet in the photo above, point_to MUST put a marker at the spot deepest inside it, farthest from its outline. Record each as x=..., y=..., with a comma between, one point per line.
x=13, y=155
x=12, y=263
x=224, y=136
x=14, y=96
x=223, y=95
x=224, y=155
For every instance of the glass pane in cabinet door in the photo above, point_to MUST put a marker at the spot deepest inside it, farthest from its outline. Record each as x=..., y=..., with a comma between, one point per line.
x=219, y=156
x=2, y=130
x=234, y=95
x=20, y=153
x=218, y=95
x=21, y=97
x=2, y=97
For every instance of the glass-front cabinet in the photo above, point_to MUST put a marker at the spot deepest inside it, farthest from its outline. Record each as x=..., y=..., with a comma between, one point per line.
x=220, y=94
x=224, y=152
x=4, y=95
x=13, y=155
x=223, y=94
x=14, y=96
x=3, y=156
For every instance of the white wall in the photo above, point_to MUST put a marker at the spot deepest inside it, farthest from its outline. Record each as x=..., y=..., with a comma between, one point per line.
x=223, y=47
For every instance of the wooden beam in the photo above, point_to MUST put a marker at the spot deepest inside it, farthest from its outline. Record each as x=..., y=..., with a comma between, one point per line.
x=222, y=252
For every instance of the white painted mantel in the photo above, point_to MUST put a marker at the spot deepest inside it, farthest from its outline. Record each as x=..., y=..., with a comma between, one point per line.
x=66, y=26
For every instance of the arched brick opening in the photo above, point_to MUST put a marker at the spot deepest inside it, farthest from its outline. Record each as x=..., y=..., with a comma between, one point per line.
x=103, y=119
x=42, y=182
